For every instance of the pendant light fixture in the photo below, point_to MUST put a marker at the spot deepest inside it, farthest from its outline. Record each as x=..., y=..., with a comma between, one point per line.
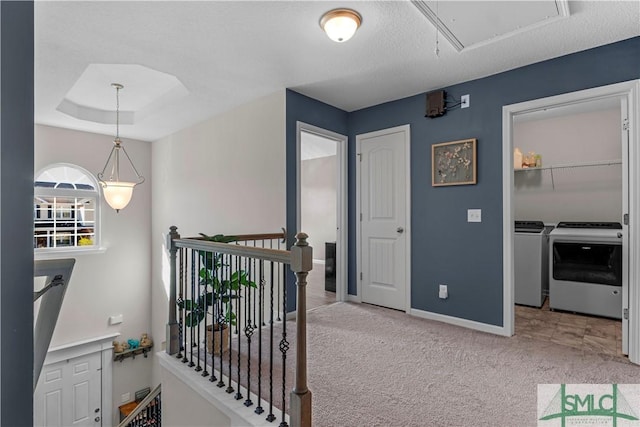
x=340, y=24
x=117, y=193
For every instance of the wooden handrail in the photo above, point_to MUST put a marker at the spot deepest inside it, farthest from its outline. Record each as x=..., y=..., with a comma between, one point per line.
x=143, y=404
x=57, y=273
x=246, y=237
x=276, y=255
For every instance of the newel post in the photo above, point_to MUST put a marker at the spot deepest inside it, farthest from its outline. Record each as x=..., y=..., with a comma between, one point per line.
x=173, y=340
x=301, y=264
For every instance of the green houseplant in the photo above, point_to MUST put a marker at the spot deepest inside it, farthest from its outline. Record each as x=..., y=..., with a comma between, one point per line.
x=216, y=295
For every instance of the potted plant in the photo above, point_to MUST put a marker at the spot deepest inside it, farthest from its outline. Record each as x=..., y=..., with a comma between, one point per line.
x=216, y=296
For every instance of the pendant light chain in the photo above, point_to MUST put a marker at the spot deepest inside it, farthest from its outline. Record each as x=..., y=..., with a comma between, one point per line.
x=117, y=113
x=118, y=86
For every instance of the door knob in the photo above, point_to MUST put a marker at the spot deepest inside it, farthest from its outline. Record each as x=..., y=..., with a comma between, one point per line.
x=97, y=419
x=400, y=230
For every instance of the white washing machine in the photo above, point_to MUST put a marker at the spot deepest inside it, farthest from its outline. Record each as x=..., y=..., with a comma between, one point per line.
x=530, y=249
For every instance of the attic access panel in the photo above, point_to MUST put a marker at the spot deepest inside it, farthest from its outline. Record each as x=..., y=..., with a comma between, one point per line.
x=472, y=23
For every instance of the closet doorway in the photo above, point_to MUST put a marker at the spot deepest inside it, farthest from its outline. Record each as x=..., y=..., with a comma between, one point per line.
x=321, y=210
x=575, y=191
x=626, y=94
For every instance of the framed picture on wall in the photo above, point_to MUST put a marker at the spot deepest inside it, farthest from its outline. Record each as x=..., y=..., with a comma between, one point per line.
x=454, y=163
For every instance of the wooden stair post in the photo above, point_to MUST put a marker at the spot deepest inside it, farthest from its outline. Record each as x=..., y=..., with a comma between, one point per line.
x=173, y=331
x=301, y=264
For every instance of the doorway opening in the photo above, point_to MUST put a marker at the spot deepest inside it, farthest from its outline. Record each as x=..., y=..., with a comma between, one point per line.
x=572, y=177
x=321, y=210
x=574, y=186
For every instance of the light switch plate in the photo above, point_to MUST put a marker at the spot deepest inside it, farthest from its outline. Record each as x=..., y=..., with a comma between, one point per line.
x=474, y=215
x=443, y=293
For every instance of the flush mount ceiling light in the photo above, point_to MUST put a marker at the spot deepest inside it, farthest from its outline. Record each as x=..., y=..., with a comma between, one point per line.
x=340, y=24
x=117, y=193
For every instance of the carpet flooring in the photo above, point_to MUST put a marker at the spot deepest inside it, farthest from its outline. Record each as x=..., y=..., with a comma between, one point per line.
x=370, y=366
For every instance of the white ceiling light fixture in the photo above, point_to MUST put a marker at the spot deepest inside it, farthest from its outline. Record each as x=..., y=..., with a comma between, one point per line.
x=340, y=24
x=118, y=193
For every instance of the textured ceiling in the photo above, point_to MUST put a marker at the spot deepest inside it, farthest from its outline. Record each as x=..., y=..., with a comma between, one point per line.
x=229, y=53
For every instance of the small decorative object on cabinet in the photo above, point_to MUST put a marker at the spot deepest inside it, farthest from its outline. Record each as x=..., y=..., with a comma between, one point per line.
x=131, y=348
x=117, y=347
x=145, y=341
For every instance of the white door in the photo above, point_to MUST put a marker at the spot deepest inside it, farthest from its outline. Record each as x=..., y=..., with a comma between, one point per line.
x=69, y=393
x=384, y=235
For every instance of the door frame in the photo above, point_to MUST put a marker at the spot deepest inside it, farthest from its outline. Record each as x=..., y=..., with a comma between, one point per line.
x=341, y=199
x=631, y=91
x=407, y=146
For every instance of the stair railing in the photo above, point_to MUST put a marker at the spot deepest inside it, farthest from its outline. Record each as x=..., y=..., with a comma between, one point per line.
x=148, y=413
x=251, y=270
x=57, y=274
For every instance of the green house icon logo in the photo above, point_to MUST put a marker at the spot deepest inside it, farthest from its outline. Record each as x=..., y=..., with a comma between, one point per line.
x=613, y=406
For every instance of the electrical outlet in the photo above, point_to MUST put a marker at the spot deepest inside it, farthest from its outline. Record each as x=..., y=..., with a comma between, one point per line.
x=125, y=397
x=116, y=320
x=443, y=293
x=465, y=101
x=474, y=215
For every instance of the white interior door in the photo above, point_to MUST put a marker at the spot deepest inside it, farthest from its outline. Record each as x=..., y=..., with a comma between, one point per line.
x=69, y=393
x=384, y=234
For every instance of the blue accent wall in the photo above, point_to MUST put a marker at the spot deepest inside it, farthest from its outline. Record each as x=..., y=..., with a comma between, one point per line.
x=300, y=108
x=445, y=247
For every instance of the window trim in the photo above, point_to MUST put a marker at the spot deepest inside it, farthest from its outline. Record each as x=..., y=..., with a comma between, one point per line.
x=66, y=251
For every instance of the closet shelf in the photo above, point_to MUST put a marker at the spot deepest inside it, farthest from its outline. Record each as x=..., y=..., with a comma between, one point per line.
x=570, y=166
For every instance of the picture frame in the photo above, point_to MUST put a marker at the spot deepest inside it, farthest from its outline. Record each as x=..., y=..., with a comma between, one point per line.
x=454, y=163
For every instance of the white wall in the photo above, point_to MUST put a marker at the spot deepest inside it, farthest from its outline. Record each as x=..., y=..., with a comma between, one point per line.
x=225, y=175
x=319, y=201
x=118, y=280
x=580, y=194
x=182, y=407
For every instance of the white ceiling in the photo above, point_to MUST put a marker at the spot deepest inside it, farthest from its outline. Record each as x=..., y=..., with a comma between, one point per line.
x=227, y=53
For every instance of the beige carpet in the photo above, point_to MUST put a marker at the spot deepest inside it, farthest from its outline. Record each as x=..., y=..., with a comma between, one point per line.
x=370, y=366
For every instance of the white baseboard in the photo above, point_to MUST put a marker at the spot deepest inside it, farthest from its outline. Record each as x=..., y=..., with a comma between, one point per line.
x=471, y=324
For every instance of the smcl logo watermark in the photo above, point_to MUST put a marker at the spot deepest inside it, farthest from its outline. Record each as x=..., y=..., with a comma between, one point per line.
x=564, y=405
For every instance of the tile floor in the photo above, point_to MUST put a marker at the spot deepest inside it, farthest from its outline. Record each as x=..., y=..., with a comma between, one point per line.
x=587, y=333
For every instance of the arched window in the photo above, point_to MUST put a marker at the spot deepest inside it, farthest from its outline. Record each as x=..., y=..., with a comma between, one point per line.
x=65, y=209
